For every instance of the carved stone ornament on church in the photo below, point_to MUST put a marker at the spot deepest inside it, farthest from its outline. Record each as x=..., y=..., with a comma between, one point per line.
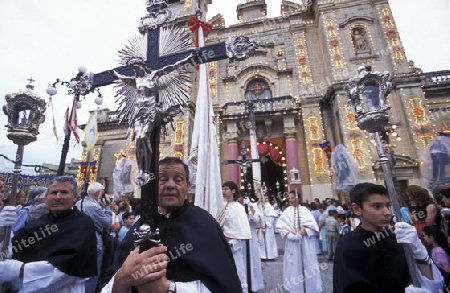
x=367, y=93
x=157, y=15
x=25, y=111
x=240, y=48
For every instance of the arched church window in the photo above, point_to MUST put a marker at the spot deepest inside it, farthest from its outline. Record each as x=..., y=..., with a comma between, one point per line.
x=360, y=40
x=258, y=89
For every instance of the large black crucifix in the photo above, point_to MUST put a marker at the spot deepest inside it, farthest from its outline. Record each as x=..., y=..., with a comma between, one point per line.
x=152, y=84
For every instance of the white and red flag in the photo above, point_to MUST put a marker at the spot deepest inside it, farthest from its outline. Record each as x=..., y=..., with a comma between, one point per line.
x=71, y=123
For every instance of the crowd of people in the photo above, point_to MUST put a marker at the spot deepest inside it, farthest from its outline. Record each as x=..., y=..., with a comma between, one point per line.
x=64, y=243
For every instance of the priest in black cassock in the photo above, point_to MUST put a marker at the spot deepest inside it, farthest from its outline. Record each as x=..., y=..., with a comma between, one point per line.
x=199, y=257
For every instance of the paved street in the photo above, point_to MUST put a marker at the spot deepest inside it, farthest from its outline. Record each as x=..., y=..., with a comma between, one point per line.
x=273, y=272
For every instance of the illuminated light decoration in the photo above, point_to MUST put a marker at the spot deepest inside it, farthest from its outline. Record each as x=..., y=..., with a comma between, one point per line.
x=119, y=155
x=334, y=44
x=212, y=78
x=315, y=139
x=355, y=136
x=93, y=169
x=82, y=169
x=422, y=126
x=304, y=69
x=313, y=128
x=187, y=3
x=178, y=150
x=392, y=35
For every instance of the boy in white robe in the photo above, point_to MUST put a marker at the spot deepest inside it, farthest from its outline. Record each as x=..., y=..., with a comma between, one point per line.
x=236, y=229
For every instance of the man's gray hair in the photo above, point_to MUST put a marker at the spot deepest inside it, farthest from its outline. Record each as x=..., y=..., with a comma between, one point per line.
x=95, y=187
x=64, y=179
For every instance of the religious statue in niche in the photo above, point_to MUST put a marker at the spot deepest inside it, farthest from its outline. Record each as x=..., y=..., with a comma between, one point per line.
x=360, y=41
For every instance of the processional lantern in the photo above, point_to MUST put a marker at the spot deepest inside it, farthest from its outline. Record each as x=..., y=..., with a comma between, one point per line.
x=25, y=111
x=367, y=93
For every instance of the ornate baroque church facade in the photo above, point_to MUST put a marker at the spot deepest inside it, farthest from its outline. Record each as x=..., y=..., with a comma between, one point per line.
x=296, y=79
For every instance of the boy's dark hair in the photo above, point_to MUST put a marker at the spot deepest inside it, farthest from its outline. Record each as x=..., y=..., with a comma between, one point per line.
x=362, y=191
x=126, y=215
x=332, y=212
x=342, y=216
x=231, y=185
x=175, y=161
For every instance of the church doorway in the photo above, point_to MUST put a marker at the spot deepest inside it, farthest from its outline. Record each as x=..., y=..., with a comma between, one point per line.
x=273, y=170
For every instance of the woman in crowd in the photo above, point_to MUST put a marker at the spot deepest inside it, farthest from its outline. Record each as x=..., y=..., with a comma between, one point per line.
x=422, y=208
x=440, y=251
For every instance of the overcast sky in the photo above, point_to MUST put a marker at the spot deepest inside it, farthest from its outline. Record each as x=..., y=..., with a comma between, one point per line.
x=49, y=39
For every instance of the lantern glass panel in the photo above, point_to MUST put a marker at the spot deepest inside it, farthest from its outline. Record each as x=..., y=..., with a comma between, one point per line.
x=21, y=116
x=371, y=97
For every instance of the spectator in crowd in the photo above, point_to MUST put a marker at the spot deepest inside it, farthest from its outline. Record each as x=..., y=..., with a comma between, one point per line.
x=35, y=209
x=323, y=230
x=124, y=206
x=359, y=265
x=332, y=232
x=344, y=228
x=445, y=212
x=128, y=221
x=440, y=251
x=64, y=256
x=422, y=209
x=316, y=212
x=101, y=216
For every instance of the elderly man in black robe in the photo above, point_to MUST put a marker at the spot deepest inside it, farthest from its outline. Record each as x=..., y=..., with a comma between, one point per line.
x=200, y=259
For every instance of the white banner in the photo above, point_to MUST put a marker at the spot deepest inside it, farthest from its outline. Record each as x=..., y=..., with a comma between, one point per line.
x=203, y=159
x=91, y=132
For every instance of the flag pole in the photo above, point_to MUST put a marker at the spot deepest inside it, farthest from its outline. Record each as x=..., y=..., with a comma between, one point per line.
x=65, y=147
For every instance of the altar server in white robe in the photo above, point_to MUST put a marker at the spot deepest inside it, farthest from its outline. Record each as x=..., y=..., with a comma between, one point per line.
x=255, y=218
x=269, y=249
x=236, y=229
x=300, y=267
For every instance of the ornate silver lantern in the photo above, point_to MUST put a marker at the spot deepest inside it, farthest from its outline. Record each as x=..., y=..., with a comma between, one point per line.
x=25, y=111
x=367, y=93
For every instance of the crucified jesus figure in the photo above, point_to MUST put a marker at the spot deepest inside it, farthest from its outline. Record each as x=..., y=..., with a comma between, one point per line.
x=148, y=111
